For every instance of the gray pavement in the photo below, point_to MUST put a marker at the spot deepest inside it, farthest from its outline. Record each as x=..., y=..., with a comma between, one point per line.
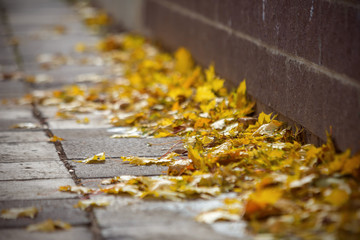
x=32, y=168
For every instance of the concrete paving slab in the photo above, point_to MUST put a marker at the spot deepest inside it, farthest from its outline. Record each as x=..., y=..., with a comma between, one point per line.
x=23, y=136
x=129, y=223
x=34, y=4
x=11, y=115
x=7, y=124
x=48, y=209
x=115, y=148
x=78, y=233
x=33, y=170
x=26, y=32
x=82, y=134
x=63, y=75
x=15, y=113
x=112, y=168
x=29, y=50
x=97, y=119
x=27, y=152
x=34, y=189
x=42, y=17
x=12, y=89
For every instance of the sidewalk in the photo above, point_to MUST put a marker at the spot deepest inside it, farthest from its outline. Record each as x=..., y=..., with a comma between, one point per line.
x=32, y=169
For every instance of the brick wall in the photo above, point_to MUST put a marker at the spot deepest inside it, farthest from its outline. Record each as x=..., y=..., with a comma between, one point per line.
x=301, y=58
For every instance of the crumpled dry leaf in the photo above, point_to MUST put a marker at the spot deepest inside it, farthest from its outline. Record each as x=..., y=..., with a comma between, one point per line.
x=76, y=189
x=217, y=215
x=39, y=79
x=169, y=158
x=336, y=197
x=98, y=158
x=48, y=226
x=14, y=213
x=55, y=139
x=26, y=126
x=85, y=204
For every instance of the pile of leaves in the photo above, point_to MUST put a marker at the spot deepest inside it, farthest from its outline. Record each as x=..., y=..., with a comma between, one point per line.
x=282, y=186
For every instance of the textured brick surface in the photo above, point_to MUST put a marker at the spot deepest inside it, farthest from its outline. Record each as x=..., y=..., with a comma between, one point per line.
x=326, y=33
x=301, y=91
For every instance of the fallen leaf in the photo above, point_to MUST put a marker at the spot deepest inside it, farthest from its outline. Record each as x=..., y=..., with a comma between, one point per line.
x=217, y=215
x=14, y=213
x=85, y=204
x=55, y=139
x=98, y=158
x=26, y=126
x=48, y=226
x=76, y=189
x=336, y=197
x=85, y=120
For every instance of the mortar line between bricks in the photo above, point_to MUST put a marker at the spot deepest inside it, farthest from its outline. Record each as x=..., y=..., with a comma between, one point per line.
x=94, y=225
x=58, y=146
x=343, y=78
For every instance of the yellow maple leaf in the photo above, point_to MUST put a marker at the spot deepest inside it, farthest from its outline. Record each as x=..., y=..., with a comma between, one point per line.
x=55, y=139
x=264, y=118
x=146, y=161
x=80, y=47
x=48, y=226
x=207, y=107
x=351, y=165
x=336, y=197
x=183, y=60
x=98, y=158
x=204, y=93
x=14, y=213
x=198, y=160
x=85, y=120
x=75, y=189
x=87, y=203
x=266, y=196
x=202, y=123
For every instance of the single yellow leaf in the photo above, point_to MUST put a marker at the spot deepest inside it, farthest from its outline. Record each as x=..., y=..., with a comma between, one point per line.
x=76, y=189
x=264, y=118
x=183, y=60
x=80, y=47
x=84, y=204
x=98, y=158
x=48, y=226
x=26, y=126
x=336, y=197
x=266, y=196
x=85, y=120
x=217, y=215
x=14, y=213
x=55, y=139
x=146, y=161
x=351, y=165
x=204, y=93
